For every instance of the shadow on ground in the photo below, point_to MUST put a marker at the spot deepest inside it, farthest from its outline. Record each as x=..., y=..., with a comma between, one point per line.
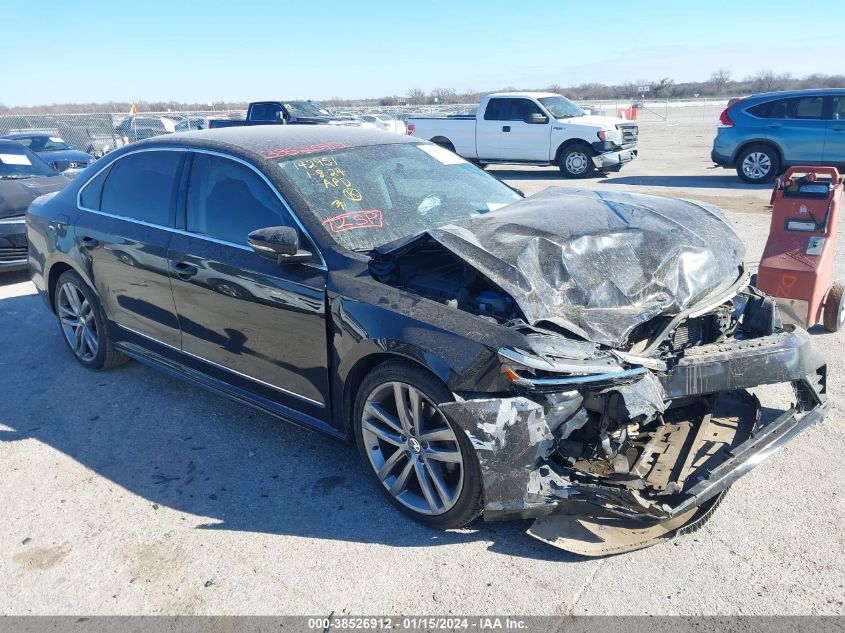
x=716, y=181
x=178, y=446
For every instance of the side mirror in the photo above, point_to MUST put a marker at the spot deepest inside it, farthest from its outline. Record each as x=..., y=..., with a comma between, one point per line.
x=538, y=119
x=280, y=118
x=280, y=243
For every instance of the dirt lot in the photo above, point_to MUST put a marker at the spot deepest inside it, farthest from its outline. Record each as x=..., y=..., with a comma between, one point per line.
x=126, y=492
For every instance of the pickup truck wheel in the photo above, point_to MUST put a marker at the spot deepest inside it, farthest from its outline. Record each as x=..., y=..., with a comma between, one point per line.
x=758, y=164
x=576, y=161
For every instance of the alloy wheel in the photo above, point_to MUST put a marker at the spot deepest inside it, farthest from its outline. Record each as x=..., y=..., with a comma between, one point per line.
x=412, y=448
x=756, y=165
x=78, y=323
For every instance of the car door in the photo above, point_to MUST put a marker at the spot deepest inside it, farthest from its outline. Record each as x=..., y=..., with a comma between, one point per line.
x=834, y=142
x=123, y=232
x=253, y=322
x=797, y=126
x=493, y=138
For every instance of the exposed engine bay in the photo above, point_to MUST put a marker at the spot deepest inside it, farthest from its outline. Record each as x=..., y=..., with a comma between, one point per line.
x=641, y=338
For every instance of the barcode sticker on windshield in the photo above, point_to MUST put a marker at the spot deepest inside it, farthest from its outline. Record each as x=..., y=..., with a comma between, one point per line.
x=56, y=139
x=443, y=155
x=15, y=159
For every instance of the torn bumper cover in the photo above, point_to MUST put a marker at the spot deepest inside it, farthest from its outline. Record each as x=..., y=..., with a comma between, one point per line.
x=518, y=439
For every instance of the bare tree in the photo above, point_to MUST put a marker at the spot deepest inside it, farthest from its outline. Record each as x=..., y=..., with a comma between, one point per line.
x=765, y=81
x=444, y=95
x=719, y=79
x=417, y=96
x=661, y=88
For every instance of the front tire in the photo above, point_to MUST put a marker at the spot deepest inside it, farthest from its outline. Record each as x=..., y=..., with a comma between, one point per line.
x=833, y=312
x=83, y=323
x=758, y=164
x=426, y=466
x=576, y=161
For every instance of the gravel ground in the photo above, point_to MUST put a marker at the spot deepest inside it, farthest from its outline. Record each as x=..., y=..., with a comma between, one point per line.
x=126, y=492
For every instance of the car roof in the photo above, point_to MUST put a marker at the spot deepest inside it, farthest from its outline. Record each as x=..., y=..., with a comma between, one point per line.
x=807, y=92
x=524, y=93
x=8, y=142
x=281, y=140
x=28, y=135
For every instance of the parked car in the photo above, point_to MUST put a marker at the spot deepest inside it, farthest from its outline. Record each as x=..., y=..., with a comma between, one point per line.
x=534, y=128
x=23, y=177
x=138, y=128
x=384, y=122
x=763, y=135
x=59, y=155
x=381, y=289
x=284, y=112
x=93, y=134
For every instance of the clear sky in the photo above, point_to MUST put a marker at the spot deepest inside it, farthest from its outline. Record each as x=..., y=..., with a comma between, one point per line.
x=57, y=51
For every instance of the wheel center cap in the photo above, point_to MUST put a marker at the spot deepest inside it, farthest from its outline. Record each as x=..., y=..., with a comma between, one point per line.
x=414, y=444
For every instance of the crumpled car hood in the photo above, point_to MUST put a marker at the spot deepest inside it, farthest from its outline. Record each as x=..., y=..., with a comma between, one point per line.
x=16, y=195
x=600, y=263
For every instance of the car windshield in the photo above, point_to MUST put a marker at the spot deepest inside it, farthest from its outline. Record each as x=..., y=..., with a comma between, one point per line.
x=44, y=143
x=16, y=161
x=369, y=196
x=561, y=107
x=306, y=109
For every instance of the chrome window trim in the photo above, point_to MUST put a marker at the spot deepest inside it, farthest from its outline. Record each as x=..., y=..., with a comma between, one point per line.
x=199, y=150
x=228, y=369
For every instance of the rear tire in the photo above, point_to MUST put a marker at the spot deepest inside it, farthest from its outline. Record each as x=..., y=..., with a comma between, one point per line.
x=576, y=161
x=833, y=313
x=416, y=451
x=83, y=323
x=758, y=164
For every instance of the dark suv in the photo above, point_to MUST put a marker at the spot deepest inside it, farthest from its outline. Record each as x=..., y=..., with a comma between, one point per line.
x=764, y=134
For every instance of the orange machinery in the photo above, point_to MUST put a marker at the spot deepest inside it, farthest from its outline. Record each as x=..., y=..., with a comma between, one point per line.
x=797, y=264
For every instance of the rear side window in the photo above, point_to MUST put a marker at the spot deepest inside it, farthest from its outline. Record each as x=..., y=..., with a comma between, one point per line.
x=838, y=109
x=797, y=108
x=264, y=112
x=142, y=187
x=497, y=110
x=761, y=110
x=228, y=200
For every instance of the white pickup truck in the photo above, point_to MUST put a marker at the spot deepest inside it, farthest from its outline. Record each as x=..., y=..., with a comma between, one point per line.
x=534, y=128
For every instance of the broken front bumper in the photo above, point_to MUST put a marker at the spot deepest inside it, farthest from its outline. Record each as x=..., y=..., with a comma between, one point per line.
x=516, y=437
x=615, y=158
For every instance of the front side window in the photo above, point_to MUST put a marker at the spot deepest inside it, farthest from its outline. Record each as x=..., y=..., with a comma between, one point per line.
x=142, y=187
x=227, y=200
x=368, y=196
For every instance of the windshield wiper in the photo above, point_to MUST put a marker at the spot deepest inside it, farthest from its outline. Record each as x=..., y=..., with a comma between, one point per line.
x=16, y=177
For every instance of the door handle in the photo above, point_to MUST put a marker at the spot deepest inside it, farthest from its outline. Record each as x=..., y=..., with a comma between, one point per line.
x=89, y=242
x=838, y=128
x=506, y=128
x=182, y=270
x=774, y=125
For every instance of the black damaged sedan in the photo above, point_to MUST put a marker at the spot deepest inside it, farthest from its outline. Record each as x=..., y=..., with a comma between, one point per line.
x=578, y=357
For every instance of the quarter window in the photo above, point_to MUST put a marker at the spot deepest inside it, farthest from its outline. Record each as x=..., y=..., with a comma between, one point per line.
x=227, y=200
x=838, y=110
x=142, y=186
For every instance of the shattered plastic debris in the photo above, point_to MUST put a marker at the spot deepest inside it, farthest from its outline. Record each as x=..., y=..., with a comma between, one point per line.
x=600, y=263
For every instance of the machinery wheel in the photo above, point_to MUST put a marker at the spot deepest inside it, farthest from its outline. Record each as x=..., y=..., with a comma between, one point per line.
x=833, y=313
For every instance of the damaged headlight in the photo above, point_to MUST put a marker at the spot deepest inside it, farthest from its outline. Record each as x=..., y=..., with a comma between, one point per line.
x=529, y=370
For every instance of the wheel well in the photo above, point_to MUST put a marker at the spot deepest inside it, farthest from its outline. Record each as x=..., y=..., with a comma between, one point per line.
x=360, y=371
x=569, y=143
x=56, y=271
x=748, y=144
x=444, y=142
